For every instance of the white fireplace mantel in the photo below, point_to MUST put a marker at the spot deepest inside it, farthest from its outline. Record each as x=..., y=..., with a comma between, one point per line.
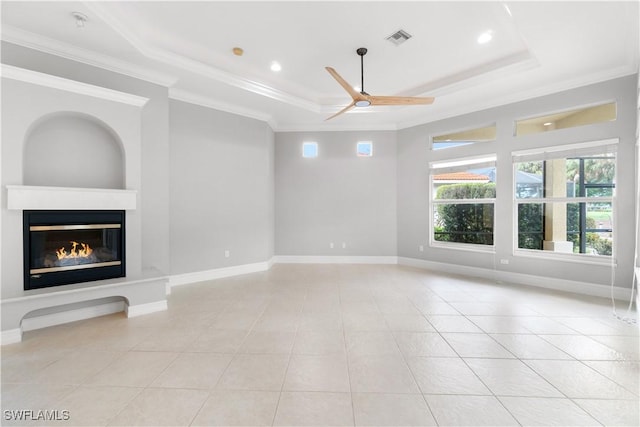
x=24, y=197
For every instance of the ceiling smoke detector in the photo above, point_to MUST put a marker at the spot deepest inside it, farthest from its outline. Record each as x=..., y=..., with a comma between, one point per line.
x=81, y=19
x=399, y=37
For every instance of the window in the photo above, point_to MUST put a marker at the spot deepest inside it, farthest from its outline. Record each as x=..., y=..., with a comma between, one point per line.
x=567, y=119
x=466, y=137
x=309, y=149
x=364, y=149
x=564, y=199
x=462, y=202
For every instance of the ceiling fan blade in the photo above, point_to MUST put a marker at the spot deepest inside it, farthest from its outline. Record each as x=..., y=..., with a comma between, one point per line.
x=400, y=100
x=354, y=94
x=344, y=110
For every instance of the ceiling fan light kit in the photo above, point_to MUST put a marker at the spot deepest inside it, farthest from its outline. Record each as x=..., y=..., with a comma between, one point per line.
x=363, y=99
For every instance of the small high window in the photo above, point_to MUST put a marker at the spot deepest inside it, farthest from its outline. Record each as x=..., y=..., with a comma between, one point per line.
x=567, y=119
x=364, y=149
x=309, y=149
x=466, y=137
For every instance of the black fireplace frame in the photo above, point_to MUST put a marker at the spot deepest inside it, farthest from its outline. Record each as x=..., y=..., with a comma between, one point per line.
x=71, y=217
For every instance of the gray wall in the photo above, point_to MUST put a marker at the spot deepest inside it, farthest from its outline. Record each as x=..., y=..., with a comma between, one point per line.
x=221, y=173
x=336, y=197
x=86, y=154
x=153, y=199
x=414, y=155
x=638, y=188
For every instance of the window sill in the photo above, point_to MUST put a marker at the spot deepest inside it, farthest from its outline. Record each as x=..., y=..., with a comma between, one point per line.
x=491, y=249
x=566, y=257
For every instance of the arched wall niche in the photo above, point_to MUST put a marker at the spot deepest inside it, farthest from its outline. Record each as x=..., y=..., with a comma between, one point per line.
x=72, y=149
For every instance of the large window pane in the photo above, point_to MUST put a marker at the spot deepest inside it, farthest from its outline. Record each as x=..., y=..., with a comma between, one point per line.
x=531, y=226
x=590, y=227
x=594, y=236
x=464, y=223
x=529, y=180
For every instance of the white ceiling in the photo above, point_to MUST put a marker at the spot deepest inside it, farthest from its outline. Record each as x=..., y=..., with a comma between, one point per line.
x=537, y=48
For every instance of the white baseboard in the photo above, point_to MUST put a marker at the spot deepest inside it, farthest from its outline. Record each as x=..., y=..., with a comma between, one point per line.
x=637, y=291
x=11, y=336
x=46, y=320
x=564, y=285
x=219, y=273
x=271, y=262
x=330, y=259
x=148, y=308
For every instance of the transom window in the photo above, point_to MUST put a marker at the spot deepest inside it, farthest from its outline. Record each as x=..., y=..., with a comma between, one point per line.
x=567, y=119
x=465, y=137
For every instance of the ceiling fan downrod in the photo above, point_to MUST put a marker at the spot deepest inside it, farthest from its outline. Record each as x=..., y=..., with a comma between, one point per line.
x=362, y=52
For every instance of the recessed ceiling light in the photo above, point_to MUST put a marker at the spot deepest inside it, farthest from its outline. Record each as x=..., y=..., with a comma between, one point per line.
x=485, y=37
x=547, y=124
x=275, y=66
x=238, y=51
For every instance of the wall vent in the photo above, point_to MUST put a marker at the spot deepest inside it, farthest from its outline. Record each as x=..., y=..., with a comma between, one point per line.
x=399, y=37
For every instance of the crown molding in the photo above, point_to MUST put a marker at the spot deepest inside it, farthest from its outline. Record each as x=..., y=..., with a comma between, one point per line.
x=170, y=58
x=203, y=101
x=337, y=128
x=55, y=82
x=74, y=53
x=516, y=62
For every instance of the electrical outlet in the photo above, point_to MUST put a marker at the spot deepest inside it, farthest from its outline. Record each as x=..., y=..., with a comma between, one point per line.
x=227, y=254
x=421, y=247
x=331, y=245
x=504, y=261
x=344, y=245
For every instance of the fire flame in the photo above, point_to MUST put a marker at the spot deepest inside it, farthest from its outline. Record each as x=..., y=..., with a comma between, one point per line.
x=83, y=252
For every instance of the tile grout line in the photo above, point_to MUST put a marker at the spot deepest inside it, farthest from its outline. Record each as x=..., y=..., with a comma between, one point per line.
x=284, y=378
x=346, y=355
x=213, y=387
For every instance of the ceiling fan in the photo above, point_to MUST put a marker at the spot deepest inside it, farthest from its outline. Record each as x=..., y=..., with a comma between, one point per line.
x=363, y=99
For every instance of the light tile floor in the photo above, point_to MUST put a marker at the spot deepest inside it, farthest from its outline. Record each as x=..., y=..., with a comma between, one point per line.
x=336, y=345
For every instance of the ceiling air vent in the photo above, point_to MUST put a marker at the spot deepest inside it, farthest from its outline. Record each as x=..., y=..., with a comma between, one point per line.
x=399, y=37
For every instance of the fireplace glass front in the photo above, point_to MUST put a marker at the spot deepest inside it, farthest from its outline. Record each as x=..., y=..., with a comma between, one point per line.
x=63, y=247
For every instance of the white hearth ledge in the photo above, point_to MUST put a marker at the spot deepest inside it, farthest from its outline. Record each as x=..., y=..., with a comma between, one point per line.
x=140, y=296
x=24, y=197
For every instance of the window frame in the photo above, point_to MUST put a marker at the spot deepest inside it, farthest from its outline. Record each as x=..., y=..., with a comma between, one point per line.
x=547, y=153
x=461, y=163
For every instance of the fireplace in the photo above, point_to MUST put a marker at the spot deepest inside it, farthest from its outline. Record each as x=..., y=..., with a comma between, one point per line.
x=63, y=247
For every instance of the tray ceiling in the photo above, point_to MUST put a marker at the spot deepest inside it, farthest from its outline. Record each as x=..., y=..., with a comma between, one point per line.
x=536, y=48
